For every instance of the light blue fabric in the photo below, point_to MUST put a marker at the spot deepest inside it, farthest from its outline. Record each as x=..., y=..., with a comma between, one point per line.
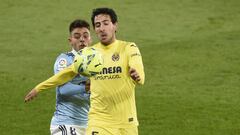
x=72, y=101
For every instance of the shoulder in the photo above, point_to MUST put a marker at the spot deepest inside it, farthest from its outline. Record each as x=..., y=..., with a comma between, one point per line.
x=64, y=59
x=66, y=55
x=132, y=49
x=127, y=45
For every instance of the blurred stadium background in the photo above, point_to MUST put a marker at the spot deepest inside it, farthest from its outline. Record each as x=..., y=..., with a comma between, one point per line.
x=190, y=48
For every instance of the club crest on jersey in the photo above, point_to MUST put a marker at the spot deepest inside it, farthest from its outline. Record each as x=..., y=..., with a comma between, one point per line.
x=115, y=57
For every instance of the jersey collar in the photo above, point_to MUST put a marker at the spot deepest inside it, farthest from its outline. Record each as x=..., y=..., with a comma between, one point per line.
x=110, y=45
x=74, y=52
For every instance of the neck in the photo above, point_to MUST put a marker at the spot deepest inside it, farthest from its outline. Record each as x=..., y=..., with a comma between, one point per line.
x=74, y=51
x=112, y=41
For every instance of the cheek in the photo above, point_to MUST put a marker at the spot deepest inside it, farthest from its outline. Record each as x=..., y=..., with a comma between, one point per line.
x=73, y=41
x=111, y=29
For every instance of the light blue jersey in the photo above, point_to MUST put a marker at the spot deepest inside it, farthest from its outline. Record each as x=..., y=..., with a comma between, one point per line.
x=72, y=101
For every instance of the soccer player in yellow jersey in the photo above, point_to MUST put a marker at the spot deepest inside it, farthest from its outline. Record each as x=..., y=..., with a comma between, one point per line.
x=112, y=101
x=113, y=108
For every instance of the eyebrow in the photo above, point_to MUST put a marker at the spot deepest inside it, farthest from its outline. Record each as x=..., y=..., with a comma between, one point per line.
x=80, y=33
x=102, y=21
x=76, y=33
x=105, y=20
x=85, y=33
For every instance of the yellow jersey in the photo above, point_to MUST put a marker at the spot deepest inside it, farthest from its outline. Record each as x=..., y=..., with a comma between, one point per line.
x=112, y=100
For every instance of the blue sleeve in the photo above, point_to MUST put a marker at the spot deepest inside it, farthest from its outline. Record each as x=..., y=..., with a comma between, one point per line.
x=68, y=88
x=71, y=89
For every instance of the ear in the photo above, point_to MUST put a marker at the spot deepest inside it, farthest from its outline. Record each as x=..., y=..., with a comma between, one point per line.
x=115, y=26
x=69, y=39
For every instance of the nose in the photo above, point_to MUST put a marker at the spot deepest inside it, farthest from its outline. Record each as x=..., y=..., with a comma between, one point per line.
x=81, y=39
x=101, y=28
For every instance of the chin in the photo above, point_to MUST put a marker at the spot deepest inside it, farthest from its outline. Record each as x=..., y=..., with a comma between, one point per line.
x=105, y=42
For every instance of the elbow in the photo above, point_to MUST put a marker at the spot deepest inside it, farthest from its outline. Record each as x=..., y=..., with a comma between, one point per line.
x=62, y=90
x=65, y=90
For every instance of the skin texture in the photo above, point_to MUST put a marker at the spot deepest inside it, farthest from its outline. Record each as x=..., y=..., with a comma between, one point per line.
x=79, y=38
x=105, y=29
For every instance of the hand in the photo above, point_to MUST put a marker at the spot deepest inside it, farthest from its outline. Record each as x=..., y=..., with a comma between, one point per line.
x=31, y=95
x=87, y=85
x=134, y=75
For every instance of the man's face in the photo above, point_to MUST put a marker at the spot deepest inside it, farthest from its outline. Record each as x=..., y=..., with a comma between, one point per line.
x=79, y=38
x=105, y=29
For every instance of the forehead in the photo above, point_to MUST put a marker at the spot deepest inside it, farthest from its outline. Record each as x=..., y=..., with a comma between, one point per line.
x=102, y=17
x=80, y=31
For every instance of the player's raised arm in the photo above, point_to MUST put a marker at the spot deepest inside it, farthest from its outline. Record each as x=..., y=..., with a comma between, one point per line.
x=136, y=69
x=88, y=63
x=60, y=78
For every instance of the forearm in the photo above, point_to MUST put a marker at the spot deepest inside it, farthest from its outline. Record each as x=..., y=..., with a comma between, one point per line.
x=135, y=62
x=140, y=70
x=58, y=79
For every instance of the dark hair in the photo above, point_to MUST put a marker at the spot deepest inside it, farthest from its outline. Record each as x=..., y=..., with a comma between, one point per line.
x=78, y=24
x=107, y=11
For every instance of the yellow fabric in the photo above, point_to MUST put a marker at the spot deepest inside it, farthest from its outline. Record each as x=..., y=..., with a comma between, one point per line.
x=100, y=130
x=135, y=60
x=60, y=78
x=113, y=91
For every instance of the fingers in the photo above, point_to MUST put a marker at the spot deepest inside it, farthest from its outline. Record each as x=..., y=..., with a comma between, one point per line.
x=134, y=75
x=87, y=85
x=31, y=95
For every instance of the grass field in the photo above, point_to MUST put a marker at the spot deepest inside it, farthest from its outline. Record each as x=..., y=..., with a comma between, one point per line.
x=190, y=48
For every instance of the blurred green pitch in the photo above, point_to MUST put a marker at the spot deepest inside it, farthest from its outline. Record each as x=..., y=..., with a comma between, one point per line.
x=190, y=50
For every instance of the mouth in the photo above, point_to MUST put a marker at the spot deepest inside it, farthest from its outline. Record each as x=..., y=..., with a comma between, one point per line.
x=82, y=45
x=103, y=36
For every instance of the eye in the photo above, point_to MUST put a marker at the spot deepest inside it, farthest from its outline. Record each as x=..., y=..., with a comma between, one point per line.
x=106, y=23
x=85, y=36
x=97, y=25
x=76, y=37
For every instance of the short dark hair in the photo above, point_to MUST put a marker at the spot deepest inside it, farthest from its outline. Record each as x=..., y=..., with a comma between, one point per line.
x=107, y=11
x=78, y=23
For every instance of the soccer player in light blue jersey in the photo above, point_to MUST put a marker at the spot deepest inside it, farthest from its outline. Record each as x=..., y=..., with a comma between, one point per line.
x=72, y=98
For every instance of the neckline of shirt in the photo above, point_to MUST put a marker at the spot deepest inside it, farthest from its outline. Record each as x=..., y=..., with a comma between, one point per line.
x=74, y=52
x=110, y=45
